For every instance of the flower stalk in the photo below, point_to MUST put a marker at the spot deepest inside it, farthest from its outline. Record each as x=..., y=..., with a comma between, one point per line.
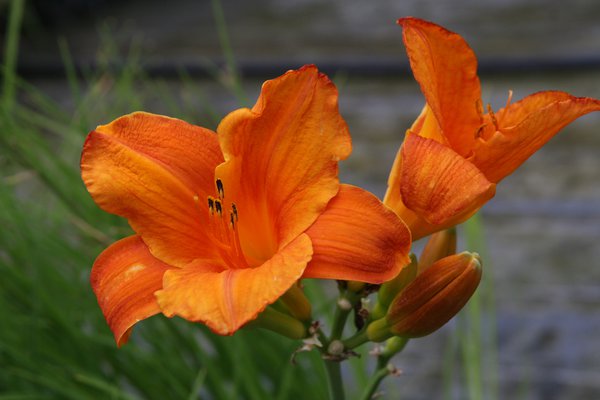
x=344, y=305
x=376, y=380
x=361, y=337
x=334, y=379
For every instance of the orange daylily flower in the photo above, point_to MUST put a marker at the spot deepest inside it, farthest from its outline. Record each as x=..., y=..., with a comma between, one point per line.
x=454, y=155
x=226, y=223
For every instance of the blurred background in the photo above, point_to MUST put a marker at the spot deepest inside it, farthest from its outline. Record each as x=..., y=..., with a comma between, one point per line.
x=69, y=65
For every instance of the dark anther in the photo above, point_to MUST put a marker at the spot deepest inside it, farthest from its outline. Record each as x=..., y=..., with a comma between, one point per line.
x=231, y=219
x=218, y=207
x=234, y=211
x=220, y=189
x=211, y=206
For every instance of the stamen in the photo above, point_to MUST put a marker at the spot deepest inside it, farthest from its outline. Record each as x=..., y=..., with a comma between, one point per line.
x=236, y=237
x=211, y=205
x=220, y=189
x=479, y=131
x=492, y=116
x=225, y=232
x=234, y=211
x=479, y=106
x=213, y=225
x=510, y=93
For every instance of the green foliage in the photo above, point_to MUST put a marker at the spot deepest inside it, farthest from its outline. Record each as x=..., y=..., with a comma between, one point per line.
x=474, y=342
x=54, y=342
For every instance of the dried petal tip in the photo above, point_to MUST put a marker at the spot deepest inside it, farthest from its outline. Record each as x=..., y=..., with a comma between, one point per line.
x=476, y=260
x=435, y=296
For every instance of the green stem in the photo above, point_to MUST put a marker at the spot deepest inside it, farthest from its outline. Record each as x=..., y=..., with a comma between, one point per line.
x=334, y=378
x=374, y=382
x=339, y=321
x=392, y=347
x=345, y=304
x=354, y=341
x=476, y=344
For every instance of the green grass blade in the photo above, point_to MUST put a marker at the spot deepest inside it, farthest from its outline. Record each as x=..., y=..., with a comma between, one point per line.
x=232, y=73
x=11, y=52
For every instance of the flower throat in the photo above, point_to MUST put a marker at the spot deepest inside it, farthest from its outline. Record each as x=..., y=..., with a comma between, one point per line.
x=225, y=229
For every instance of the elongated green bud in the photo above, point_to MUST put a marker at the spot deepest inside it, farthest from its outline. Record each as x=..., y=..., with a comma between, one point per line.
x=297, y=303
x=391, y=288
x=281, y=323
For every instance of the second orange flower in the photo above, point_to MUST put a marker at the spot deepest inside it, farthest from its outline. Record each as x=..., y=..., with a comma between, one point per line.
x=454, y=154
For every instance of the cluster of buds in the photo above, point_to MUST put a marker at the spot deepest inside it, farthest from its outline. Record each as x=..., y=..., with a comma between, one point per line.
x=427, y=293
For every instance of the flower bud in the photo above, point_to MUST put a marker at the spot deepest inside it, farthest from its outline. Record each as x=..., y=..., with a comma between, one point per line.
x=281, y=323
x=441, y=244
x=391, y=288
x=435, y=296
x=297, y=303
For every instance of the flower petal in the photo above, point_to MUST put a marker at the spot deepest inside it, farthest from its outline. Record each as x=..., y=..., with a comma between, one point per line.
x=226, y=300
x=358, y=238
x=426, y=125
x=524, y=127
x=189, y=152
x=416, y=223
x=393, y=199
x=149, y=169
x=446, y=68
x=124, y=278
x=439, y=185
x=282, y=159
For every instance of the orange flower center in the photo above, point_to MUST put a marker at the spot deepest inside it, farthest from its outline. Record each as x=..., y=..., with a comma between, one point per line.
x=224, y=228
